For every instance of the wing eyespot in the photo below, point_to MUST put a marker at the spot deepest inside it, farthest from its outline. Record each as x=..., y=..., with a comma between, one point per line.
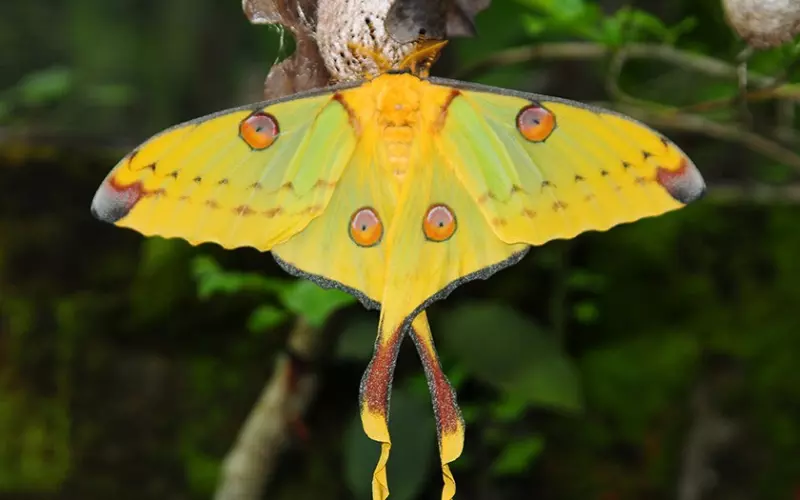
x=259, y=130
x=365, y=228
x=535, y=122
x=439, y=223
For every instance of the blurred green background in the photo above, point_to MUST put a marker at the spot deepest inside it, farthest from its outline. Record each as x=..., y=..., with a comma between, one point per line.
x=653, y=361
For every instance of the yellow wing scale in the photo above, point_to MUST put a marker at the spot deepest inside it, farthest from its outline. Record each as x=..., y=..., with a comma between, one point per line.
x=489, y=173
x=323, y=247
x=595, y=170
x=204, y=183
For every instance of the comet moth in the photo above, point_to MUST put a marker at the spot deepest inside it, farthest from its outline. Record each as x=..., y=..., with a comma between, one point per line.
x=398, y=189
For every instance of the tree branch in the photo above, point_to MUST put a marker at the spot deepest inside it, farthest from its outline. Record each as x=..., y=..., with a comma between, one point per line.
x=710, y=431
x=720, y=131
x=589, y=50
x=249, y=464
x=754, y=193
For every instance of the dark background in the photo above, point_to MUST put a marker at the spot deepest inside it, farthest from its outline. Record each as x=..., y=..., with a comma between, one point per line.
x=648, y=362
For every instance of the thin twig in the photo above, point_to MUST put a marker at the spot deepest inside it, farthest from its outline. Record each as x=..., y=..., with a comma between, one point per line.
x=737, y=193
x=614, y=89
x=710, y=431
x=701, y=125
x=588, y=50
x=789, y=92
x=250, y=463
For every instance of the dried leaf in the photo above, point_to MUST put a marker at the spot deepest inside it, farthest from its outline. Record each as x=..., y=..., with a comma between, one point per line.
x=407, y=20
x=295, y=15
x=304, y=70
x=461, y=16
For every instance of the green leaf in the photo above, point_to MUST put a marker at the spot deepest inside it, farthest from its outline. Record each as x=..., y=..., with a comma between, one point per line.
x=576, y=17
x=534, y=25
x=202, y=471
x=584, y=280
x=265, y=317
x=586, y=312
x=413, y=432
x=5, y=110
x=503, y=348
x=163, y=267
x=630, y=25
x=471, y=413
x=510, y=409
x=212, y=279
x=111, y=95
x=314, y=303
x=563, y=9
x=357, y=340
x=518, y=456
x=45, y=86
x=36, y=454
x=656, y=368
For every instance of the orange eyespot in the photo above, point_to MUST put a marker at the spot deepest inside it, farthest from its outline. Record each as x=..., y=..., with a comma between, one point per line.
x=259, y=130
x=535, y=123
x=439, y=223
x=366, y=228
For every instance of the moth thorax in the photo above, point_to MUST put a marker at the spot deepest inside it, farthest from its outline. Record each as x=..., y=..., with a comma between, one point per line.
x=398, y=101
x=344, y=23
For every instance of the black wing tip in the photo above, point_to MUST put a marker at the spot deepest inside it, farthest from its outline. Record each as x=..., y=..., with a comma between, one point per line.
x=685, y=184
x=96, y=213
x=112, y=215
x=694, y=196
x=111, y=202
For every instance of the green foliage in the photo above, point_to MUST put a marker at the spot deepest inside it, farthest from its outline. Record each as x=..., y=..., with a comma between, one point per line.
x=299, y=297
x=503, y=348
x=266, y=317
x=35, y=454
x=35, y=427
x=356, y=340
x=44, y=87
x=663, y=366
x=213, y=280
x=587, y=20
x=518, y=455
x=630, y=25
x=313, y=303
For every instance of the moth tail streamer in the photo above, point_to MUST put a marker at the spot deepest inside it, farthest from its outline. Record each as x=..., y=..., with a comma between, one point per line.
x=449, y=422
x=376, y=385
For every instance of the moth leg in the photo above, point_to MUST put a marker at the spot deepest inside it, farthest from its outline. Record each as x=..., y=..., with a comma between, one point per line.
x=371, y=53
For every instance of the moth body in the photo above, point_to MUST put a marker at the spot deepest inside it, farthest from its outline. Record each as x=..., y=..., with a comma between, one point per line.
x=398, y=114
